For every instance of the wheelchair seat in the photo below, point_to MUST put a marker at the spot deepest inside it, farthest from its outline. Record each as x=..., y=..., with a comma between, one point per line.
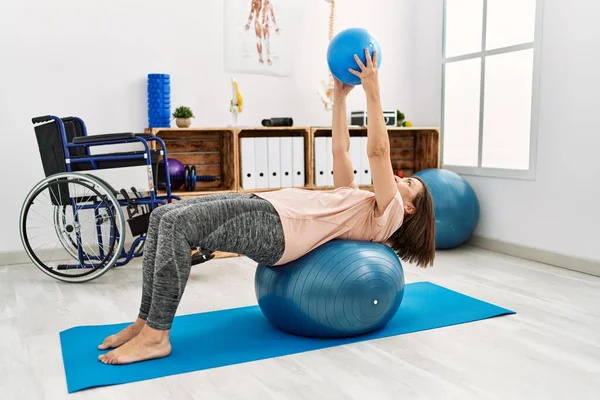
x=78, y=166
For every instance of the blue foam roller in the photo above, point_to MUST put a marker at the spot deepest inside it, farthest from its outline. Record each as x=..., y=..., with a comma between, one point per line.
x=159, y=100
x=157, y=108
x=158, y=105
x=159, y=90
x=158, y=76
x=164, y=94
x=159, y=124
x=160, y=114
x=160, y=120
x=158, y=84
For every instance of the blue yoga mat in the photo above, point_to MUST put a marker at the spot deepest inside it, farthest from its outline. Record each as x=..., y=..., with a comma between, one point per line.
x=238, y=335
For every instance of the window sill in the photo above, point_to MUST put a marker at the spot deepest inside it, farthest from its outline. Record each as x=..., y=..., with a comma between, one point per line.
x=528, y=175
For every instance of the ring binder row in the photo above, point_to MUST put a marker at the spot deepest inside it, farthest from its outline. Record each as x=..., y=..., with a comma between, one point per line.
x=279, y=162
x=272, y=162
x=323, y=165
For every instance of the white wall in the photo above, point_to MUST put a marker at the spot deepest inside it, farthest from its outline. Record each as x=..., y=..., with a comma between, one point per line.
x=559, y=211
x=90, y=59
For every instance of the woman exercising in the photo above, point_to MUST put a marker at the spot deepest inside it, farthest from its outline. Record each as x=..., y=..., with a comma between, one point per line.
x=274, y=228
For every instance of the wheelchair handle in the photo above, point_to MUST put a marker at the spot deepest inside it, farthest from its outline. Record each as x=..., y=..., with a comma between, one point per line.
x=39, y=120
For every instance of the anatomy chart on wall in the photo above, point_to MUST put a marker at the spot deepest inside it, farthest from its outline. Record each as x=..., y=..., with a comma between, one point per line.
x=259, y=36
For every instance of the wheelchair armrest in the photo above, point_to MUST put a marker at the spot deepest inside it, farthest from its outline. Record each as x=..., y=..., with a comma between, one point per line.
x=103, y=137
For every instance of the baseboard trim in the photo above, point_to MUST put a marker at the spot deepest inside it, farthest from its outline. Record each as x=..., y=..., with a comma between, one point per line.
x=583, y=265
x=21, y=257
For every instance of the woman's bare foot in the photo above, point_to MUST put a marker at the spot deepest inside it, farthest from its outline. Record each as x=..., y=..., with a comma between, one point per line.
x=124, y=336
x=148, y=344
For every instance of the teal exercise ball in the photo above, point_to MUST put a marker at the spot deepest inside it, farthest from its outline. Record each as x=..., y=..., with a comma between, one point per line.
x=343, y=47
x=455, y=205
x=342, y=288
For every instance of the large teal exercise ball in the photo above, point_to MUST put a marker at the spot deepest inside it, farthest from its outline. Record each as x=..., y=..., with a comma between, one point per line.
x=340, y=289
x=455, y=204
x=343, y=47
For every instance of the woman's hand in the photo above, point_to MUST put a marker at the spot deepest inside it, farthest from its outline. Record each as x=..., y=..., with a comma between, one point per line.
x=368, y=74
x=341, y=90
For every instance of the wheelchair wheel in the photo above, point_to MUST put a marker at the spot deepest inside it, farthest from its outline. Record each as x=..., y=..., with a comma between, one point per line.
x=61, y=224
x=72, y=227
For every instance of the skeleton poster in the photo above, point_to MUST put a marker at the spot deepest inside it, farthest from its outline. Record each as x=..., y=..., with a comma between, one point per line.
x=259, y=36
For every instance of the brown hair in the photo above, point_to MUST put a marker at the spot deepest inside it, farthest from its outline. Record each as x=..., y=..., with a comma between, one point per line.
x=414, y=241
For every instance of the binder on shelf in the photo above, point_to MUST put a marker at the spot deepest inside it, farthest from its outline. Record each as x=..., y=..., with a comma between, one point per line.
x=320, y=161
x=247, y=163
x=365, y=167
x=261, y=163
x=355, y=148
x=273, y=162
x=285, y=159
x=329, y=162
x=298, y=179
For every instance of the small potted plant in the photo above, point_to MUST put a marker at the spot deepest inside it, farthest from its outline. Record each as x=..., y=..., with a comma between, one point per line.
x=399, y=118
x=183, y=116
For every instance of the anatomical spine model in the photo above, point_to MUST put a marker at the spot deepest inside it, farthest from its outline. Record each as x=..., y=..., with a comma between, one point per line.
x=326, y=87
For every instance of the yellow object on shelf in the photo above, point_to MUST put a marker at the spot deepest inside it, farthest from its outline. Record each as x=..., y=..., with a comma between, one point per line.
x=236, y=102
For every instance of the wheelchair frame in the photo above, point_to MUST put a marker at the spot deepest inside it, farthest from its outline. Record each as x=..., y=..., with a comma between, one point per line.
x=81, y=140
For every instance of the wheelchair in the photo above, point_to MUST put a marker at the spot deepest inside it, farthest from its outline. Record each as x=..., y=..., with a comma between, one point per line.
x=72, y=223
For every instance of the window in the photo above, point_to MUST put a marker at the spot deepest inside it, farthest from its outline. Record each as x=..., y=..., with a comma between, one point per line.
x=489, y=99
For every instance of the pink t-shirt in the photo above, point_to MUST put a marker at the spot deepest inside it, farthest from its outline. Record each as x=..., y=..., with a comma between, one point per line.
x=311, y=218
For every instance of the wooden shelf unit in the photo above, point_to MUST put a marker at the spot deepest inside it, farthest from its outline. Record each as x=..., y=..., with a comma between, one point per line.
x=217, y=151
x=210, y=150
x=411, y=149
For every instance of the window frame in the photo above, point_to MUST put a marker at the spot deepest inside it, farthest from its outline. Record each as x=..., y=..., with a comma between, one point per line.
x=536, y=45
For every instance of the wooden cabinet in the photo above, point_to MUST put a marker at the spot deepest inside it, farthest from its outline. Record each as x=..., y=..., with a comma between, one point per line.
x=215, y=152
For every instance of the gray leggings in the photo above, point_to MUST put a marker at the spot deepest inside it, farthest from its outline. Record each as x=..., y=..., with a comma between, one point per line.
x=237, y=223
